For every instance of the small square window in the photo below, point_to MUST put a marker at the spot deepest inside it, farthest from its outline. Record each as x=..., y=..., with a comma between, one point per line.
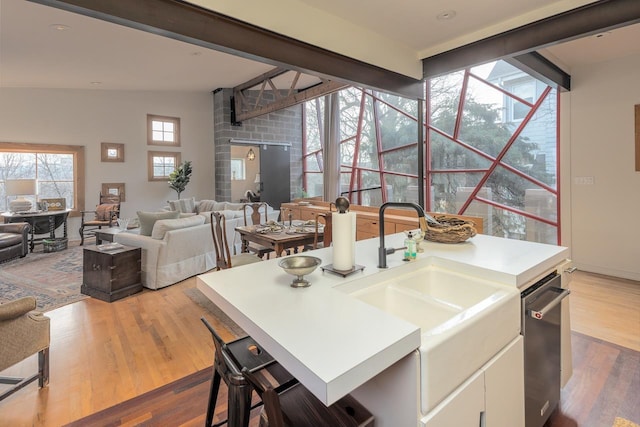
x=160, y=164
x=163, y=130
x=115, y=189
x=111, y=152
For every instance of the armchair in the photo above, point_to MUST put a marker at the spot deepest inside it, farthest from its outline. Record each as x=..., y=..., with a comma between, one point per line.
x=106, y=214
x=23, y=332
x=14, y=240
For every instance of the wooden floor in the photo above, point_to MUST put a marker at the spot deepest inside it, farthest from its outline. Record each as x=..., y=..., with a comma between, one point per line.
x=104, y=354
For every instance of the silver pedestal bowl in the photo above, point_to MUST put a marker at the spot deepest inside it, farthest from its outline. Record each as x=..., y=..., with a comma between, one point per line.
x=300, y=265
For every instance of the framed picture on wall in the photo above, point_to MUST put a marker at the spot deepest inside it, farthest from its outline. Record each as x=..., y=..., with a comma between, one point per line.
x=114, y=188
x=111, y=152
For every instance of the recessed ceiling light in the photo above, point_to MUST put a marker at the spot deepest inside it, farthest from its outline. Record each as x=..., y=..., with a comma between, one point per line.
x=96, y=83
x=602, y=35
x=446, y=15
x=59, y=27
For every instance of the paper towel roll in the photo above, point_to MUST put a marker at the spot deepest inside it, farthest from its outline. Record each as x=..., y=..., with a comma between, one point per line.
x=343, y=238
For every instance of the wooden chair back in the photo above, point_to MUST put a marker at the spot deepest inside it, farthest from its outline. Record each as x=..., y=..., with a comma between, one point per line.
x=223, y=255
x=254, y=210
x=325, y=219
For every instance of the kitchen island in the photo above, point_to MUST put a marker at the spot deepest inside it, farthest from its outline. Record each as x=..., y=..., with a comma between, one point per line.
x=335, y=343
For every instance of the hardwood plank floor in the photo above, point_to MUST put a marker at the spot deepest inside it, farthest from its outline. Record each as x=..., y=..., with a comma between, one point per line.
x=103, y=354
x=607, y=308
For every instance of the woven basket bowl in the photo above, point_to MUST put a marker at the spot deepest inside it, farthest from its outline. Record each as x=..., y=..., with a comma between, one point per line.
x=450, y=230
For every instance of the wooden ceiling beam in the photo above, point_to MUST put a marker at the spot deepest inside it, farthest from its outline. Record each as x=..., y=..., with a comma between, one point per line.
x=586, y=20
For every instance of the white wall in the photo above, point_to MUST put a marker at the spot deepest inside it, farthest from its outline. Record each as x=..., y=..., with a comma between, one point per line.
x=89, y=117
x=599, y=110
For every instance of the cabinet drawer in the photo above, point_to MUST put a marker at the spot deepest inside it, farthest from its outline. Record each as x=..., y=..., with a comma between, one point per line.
x=404, y=227
x=366, y=225
x=362, y=235
x=371, y=227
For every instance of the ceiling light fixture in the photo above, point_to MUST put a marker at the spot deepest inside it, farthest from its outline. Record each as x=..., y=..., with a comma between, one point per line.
x=59, y=27
x=446, y=15
x=602, y=35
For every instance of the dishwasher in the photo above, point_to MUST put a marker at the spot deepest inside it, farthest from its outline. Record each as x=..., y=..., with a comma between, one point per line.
x=541, y=323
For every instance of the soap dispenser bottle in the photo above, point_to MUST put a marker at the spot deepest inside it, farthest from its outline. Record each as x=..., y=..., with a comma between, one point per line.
x=410, y=247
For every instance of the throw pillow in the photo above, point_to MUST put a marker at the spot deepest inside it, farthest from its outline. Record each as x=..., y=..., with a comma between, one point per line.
x=105, y=211
x=210, y=205
x=183, y=205
x=161, y=226
x=148, y=219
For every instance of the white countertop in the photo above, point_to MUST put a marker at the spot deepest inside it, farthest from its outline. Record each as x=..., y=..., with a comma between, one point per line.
x=333, y=342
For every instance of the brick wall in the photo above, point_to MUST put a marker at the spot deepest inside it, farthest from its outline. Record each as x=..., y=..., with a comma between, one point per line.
x=280, y=126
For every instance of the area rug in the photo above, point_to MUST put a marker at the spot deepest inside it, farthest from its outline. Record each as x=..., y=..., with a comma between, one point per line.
x=199, y=298
x=54, y=278
x=621, y=422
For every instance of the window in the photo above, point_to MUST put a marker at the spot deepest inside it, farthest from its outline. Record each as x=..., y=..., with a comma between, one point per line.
x=525, y=90
x=477, y=165
x=111, y=152
x=58, y=169
x=163, y=130
x=115, y=189
x=238, y=171
x=161, y=164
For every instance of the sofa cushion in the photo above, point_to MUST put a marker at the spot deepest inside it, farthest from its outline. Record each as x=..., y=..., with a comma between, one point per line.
x=209, y=206
x=228, y=214
x=148, y=219
x=161, y=226
x=183, y=205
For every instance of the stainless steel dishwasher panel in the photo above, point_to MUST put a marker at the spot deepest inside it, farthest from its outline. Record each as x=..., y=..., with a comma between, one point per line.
x=541, y=329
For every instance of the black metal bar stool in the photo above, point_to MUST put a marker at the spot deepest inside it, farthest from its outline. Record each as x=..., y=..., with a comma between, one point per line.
x=293, y=405
x=230, y=358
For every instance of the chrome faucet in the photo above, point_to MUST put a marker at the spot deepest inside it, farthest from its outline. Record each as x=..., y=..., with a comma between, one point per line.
x=382, y=251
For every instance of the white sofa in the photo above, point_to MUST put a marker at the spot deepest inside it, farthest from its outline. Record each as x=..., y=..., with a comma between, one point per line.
x=177, y=243
x=176, y=249
x=190, y=207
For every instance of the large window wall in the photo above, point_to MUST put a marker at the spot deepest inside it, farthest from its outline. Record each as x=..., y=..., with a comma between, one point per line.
x=490, y=149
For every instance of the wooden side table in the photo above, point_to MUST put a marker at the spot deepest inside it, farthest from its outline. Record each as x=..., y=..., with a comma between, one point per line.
x=111, y=275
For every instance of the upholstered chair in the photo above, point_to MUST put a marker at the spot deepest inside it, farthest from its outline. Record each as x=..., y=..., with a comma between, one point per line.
x=14, y=240
x=23, y=332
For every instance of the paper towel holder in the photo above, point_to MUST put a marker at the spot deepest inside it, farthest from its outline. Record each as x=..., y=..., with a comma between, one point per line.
x=343, y=273
x=342, y=205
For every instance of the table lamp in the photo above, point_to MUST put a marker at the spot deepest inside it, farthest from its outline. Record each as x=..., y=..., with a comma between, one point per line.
x=20, y=188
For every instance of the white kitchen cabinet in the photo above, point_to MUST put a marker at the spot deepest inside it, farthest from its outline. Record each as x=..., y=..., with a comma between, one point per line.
x=492, y=397
x=504, y=387
x=464, y=407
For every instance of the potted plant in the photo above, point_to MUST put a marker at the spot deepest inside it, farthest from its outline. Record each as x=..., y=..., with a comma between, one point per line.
x=179, y=178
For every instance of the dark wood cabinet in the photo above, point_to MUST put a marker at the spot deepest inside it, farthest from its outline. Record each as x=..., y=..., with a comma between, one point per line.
x=111, y=275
